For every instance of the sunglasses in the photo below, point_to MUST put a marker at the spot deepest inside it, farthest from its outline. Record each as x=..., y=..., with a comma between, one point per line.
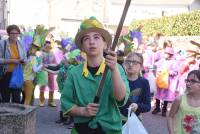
x=133, y=62
x=192, y=81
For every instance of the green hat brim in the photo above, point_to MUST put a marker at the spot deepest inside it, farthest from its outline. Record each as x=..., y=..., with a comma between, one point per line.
x=104, y=33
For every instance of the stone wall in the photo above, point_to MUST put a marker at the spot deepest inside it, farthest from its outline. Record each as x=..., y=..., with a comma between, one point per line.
x=17, y=119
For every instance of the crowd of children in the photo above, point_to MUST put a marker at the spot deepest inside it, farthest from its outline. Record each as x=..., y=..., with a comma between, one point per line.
x=149, y=72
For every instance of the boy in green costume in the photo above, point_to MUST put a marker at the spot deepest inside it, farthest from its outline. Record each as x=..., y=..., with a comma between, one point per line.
x=82, y=82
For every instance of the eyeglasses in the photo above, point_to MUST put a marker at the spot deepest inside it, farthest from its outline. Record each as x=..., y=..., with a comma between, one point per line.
x=14, y=33
x=134, y=62
x=187, y=81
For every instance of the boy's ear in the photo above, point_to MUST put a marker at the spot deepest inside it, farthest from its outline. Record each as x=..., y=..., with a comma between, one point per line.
x=105, y=46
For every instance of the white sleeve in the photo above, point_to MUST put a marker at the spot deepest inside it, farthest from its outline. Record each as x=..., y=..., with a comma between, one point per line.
x=37, y=68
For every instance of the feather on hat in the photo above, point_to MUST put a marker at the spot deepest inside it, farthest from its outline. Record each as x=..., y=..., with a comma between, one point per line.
x=92, y=25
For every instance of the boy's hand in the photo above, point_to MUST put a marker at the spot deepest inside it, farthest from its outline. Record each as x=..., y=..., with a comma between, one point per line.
x=111, y=60
x=90, y=110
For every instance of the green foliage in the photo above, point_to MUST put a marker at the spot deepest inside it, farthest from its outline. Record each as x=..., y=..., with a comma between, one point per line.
x=187, y=24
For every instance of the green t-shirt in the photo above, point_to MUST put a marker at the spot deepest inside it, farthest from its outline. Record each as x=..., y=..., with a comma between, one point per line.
x=80, y=89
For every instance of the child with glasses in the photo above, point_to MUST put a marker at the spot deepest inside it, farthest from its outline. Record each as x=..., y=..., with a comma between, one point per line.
x=139, y=99
x=186, y=108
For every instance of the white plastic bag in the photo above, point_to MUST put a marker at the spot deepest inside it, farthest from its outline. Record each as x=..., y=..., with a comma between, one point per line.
x=151, y=78
x=133, y=125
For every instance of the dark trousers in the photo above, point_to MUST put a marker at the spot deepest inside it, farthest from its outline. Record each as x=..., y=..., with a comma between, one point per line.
x=7, y=93
x=82, y=128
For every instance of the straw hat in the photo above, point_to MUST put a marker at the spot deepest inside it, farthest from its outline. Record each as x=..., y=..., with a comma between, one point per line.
x=92, y=25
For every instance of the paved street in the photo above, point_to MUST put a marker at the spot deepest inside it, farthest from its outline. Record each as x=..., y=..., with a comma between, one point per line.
x=46, y=117
x=155, y=124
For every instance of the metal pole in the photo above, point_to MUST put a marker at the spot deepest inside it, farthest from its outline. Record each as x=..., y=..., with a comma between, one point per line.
x=114, y=44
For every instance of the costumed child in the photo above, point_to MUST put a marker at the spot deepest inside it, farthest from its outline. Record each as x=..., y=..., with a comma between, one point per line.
x=68, y=64
x=41, y=78
x=61, y=70
x=30, y=70
x=55, y=56
x=62, y=76
x=72, y=57
x=27, y=40
x=188, y=64
x=150, y=56
x=43, y=58
x=82, y=82
x=139, y=99
x=184, y=116
x=166, y=81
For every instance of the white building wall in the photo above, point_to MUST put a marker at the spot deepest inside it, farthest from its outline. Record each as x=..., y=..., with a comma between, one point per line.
x=66, y=15
x=28, y=12
x=3, y=14
x=195, y=5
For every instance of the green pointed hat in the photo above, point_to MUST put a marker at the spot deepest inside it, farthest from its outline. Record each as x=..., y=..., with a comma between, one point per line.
x=40, y=35
x=92, y=25
x=37, y=41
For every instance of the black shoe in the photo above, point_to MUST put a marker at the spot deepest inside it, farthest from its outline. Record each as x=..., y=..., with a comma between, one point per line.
x=70, y=126
x=59, y=121
x=156, y=110
x=69, y=121
x=62, y=118
x=164, y=109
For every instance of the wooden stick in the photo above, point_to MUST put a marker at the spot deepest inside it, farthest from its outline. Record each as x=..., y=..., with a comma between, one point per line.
x=114, y=44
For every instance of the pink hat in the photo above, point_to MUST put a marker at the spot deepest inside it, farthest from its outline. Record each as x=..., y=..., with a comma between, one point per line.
x=169, y=50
